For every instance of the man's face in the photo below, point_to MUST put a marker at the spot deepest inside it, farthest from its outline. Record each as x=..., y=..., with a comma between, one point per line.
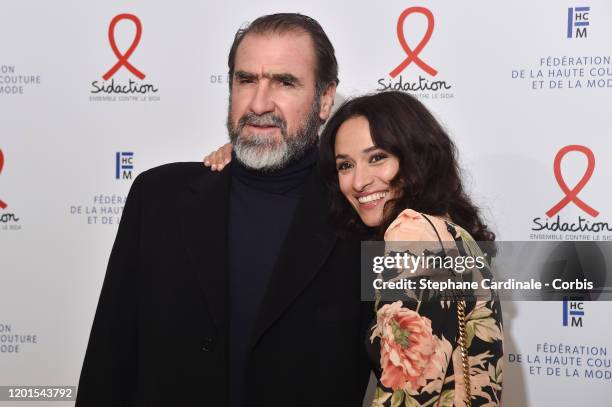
x=273, y=115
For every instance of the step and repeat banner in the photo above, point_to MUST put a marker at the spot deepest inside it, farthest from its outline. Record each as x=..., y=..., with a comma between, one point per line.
x=93, y=93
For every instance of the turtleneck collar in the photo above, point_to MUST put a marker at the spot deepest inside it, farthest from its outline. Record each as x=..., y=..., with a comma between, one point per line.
x=282, y=181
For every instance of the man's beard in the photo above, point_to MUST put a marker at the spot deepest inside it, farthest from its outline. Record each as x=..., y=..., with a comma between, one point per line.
x=265, y=153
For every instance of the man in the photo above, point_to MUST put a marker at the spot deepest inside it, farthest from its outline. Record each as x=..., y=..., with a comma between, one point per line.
x=230, y=288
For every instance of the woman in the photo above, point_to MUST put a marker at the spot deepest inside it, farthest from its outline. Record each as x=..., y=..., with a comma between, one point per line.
x=392, y=173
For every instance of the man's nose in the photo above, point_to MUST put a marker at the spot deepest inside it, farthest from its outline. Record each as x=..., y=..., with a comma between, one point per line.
x=362, y=177
x=262, y=99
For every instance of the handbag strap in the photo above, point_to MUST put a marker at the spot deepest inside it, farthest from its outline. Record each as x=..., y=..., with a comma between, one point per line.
x=464, y=353
x=436, y=232
x=462, y=337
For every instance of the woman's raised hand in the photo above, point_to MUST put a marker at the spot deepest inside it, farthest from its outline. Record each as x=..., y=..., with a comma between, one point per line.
x=411, y=231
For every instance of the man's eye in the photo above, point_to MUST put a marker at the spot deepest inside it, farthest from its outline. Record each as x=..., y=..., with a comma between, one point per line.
x=287, y=84
x=245, y=81
x=343, y=166
x=378, y=157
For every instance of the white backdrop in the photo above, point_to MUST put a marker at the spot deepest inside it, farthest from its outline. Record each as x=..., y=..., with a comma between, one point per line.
x=518, y=88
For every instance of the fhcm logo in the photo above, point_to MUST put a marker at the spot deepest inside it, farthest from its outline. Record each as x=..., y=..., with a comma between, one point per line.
x=124, y=164
x=578, y=19
x=573, y=311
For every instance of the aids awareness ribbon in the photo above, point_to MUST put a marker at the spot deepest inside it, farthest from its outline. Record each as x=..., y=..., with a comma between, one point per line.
x=123, y=58
x=571, y=195
x=413, y=55
x=2, y=204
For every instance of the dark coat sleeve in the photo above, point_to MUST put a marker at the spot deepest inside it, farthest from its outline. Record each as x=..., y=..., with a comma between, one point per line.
x=109, y=373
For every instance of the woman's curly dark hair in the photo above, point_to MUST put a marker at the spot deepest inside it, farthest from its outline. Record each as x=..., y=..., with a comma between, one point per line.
x=428, y=178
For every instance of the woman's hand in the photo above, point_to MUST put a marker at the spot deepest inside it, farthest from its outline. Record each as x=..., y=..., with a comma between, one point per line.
x=411, y=231
x=217, y=160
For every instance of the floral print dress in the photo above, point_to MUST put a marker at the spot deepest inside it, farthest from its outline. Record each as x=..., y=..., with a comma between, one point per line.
x=414, y=344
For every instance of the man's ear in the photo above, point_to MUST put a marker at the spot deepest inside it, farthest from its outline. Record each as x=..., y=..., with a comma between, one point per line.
x=327, y=102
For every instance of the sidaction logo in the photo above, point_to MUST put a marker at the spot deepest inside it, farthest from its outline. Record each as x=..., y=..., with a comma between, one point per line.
x=132, y=90
x=3, y=205
x=396, y=81
x=7, y=220
x=553, y=221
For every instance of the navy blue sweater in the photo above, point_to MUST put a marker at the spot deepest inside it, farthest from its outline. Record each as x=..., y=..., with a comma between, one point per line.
x=261, y=208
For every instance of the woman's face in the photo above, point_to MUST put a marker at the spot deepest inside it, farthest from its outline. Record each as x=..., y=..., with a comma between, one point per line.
x=364, y=170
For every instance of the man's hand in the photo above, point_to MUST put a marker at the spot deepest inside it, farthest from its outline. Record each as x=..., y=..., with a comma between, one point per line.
x=217, y=160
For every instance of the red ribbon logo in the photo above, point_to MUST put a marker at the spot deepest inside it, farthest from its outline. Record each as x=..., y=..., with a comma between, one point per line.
x=123, y=58
x=2, y=204
x=571, y=195
x=413, y=55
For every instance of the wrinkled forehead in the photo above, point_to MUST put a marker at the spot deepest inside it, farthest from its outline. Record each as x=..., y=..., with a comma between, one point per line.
x=290, y=52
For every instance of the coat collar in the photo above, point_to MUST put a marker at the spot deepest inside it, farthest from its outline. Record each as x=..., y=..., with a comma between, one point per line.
x=204, y=223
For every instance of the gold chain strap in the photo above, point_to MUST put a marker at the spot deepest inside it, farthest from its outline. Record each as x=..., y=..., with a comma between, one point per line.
x=462, y=335
x=464, y=352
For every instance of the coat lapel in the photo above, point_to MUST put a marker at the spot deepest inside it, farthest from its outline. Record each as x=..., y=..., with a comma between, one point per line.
x=204, y=223
x=309, y=242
